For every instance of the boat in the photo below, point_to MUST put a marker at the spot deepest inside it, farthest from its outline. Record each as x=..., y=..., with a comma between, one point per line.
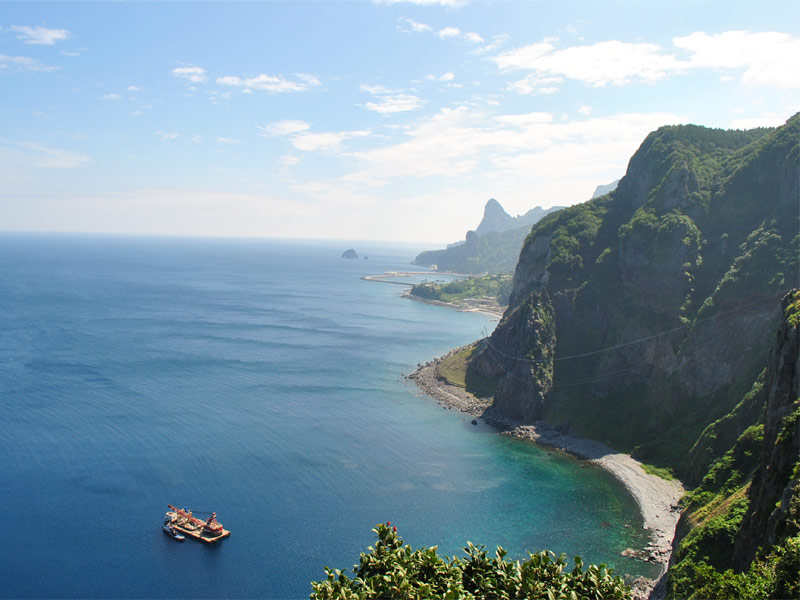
x=182, y=521
x=172, y=533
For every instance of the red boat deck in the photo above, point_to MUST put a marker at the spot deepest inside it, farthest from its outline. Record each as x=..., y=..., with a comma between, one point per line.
x=183, y=521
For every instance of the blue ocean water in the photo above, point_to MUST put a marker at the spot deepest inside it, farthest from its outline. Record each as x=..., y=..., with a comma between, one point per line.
x=262, y=380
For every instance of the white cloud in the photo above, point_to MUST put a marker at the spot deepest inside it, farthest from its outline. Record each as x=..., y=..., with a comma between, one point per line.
x=497, y=41
x=326, y=141
x=534, y=84
x=449, y=32
x=377, y=89
x=272, y=83
x=766, y=58
x=585, y=110
x=449, y=76
x=110, y=97
x=227, y=140
x=390, y=101
x=395, y=103
x=40, y=35
x=23, y=63
x=411, y=26
x=406, y=24
x=285, y=127
x=191, y=73
x=133, y=88
x=604, y=63
x=513, y=151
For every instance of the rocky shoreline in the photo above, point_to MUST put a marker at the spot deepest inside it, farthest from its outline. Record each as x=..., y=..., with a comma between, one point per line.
x=656, y=498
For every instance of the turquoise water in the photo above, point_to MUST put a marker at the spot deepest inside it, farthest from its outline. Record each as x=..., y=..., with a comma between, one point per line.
x=263, y=380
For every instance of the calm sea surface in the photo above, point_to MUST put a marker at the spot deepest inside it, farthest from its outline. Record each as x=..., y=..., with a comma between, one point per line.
x=262, y=380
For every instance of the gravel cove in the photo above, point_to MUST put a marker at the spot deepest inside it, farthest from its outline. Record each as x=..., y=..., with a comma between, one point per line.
x=656, y=498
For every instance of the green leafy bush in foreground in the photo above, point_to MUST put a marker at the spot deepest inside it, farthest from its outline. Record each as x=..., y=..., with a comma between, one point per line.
x=392, y=569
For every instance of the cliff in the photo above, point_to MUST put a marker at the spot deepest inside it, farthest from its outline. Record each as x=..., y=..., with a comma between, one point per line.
x=646, y=319
x=642, y=317
x=739, y=534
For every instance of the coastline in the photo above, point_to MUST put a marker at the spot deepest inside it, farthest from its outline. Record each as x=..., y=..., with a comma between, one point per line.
x=494, y=311
x=656, y=498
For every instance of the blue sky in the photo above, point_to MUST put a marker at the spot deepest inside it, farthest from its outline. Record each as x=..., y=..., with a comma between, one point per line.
x=359, y=120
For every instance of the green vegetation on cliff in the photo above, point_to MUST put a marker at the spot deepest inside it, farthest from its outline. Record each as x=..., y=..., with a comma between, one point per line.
x=646, y=319
x=664, y=293
x=392, y=569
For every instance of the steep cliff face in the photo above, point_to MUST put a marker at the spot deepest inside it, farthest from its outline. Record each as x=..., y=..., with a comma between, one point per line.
x=774, y=495
x=525, y=376
x=663, y=294
x=747, y=507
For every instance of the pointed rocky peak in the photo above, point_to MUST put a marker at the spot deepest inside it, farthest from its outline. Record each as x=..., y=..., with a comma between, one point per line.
x=495, y=218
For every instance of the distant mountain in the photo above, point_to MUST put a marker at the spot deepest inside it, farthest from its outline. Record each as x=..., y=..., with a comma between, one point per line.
x=602, y=190
x=495, y=218
x=494, y=245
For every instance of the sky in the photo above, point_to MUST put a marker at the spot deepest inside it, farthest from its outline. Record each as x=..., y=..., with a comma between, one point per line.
x=383, y=120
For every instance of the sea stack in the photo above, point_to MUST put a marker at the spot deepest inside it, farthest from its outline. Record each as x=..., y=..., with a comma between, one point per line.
x=349, y=254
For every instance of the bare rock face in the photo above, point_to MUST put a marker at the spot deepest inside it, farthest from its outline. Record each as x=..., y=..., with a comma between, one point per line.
x=525, y=377
x=495, y=218
x=775, y=488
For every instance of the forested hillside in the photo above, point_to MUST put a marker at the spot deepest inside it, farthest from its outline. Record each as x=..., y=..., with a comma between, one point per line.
x=645, y=319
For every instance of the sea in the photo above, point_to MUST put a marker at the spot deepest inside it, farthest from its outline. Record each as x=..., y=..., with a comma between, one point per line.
x=264, y=380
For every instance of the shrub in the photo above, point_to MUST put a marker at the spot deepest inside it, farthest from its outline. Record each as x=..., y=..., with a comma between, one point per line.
x=391, y=569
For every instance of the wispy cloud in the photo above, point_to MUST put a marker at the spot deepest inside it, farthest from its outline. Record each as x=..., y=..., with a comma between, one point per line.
x=326, y=141
x=23, y=63
x=767, y=59
x=390, y=101
x=604, y=63
x=167, y=135
x=520, y=149
x=191, y=73
x=227, y=140
x=273, y=83
x=285, y=127
x=449, y=32
x=40, y=35
x=411, y=26
x=110, y=97
x=32, y=155
x=406, y=24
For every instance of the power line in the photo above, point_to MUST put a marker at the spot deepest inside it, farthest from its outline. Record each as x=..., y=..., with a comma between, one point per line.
x=617, y=346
